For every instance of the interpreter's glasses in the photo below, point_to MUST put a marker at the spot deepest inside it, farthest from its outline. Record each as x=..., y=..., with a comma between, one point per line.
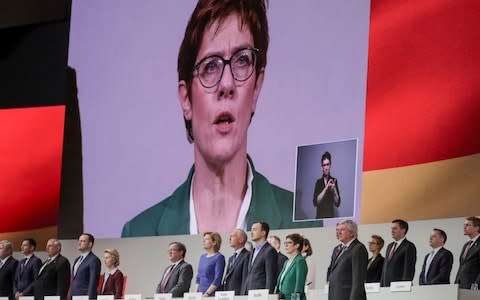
x=242, y=64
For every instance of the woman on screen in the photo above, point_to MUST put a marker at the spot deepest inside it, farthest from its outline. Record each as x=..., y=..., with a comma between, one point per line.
x=221, y=68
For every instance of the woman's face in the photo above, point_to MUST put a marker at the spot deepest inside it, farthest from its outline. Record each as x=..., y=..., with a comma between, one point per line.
x=208, y=243
x=373, y=245
x=221, y=114
x=290, y=247
x=109, y=260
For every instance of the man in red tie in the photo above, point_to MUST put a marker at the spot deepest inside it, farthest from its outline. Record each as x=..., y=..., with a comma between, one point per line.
x=401, y=256
x=178, y=276
x=469, y=269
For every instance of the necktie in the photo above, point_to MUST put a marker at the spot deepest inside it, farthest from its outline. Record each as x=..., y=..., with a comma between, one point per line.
x=234, y=258
x=340, y=252
x=429, y=261
x=44, y=265
x=467, y=247
x=392, y=251
x=75, y=268
x=1, y=264
x=163, y=284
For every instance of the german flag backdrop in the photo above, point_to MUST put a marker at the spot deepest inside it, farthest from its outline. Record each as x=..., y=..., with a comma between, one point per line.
x=30, y=171
x=422, y=129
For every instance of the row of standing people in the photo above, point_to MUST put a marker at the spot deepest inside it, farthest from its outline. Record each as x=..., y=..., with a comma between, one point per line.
x=262, y=267
x=55, y=276
x=349, y=268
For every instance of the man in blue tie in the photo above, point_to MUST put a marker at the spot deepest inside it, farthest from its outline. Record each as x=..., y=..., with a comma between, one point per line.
x=237, y=263
x=86, y=269
x=437, y=265
x=27, y=269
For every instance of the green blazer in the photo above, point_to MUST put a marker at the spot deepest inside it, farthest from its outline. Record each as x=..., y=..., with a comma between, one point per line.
x=294, y=279
x=171, y=216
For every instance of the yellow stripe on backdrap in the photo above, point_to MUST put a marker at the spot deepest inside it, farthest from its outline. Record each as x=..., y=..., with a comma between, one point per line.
x=442, y=189
x=41, y=235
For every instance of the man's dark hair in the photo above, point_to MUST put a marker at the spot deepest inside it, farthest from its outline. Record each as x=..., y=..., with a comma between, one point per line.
x=90, y=237
x=326, y=155
x=403, y=224
x=475, y=221
x=442, y=233
x=31, y=242
x=263, y=227
x=181, y=247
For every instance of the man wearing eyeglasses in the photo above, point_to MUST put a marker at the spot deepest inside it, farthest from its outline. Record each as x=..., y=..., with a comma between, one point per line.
x=221, y=67
x=326, y=195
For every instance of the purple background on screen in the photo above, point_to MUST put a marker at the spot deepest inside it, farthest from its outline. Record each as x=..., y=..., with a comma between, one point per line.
x=135, y=152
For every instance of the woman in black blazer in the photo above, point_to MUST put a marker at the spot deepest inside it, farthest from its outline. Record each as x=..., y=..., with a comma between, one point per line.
x=375, y=263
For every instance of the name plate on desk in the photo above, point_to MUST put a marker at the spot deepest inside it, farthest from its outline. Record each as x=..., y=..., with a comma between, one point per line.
x=3, y=298
x=51, y=298
x=401, y=286
x=258, y=294
x=133, y=297
x=26, y=298
x=80, y=297
x=104, y=297
x=325, y=289
x=224, y=295
x=162, y=296
x=372, y=287
x=192, y=296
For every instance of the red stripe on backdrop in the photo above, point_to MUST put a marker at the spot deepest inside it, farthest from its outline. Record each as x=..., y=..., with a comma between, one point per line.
x=423, y=88
x=31, y=141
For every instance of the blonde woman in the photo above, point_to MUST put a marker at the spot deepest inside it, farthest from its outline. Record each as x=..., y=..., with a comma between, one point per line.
x=211, y=265
x=111, y=282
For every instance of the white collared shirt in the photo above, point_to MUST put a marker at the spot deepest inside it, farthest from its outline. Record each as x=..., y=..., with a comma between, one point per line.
x=399, y=242
x=242, y=215
x=5, y=260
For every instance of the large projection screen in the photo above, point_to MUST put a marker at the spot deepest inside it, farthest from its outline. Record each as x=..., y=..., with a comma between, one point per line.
x=135, y=151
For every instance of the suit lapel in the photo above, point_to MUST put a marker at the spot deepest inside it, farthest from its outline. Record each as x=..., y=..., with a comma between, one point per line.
x=475, y=247
x=291, y=267
x=345, y=252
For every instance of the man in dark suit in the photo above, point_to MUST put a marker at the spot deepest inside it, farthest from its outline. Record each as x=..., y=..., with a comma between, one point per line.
x=178, y=276
x=469, y=269
x=27, y=269
x=437, y=265
x=335, y=252
x=86, y=269
x=262, y=265
x=349, y=270
x=53, y=278
x=237, y=266
x=401, y=256
x=8, y=266
x=275, y=242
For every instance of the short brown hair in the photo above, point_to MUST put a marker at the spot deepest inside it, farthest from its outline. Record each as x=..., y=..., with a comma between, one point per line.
x=475, y=221
x=252, y=13
x=379, y=240
x=297, y=239
x=215, y=236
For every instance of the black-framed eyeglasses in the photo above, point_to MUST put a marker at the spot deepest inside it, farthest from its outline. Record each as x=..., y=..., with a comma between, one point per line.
x=210, y=69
